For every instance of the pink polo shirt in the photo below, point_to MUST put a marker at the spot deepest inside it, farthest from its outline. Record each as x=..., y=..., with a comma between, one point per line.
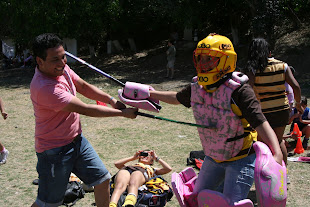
x=49, y=95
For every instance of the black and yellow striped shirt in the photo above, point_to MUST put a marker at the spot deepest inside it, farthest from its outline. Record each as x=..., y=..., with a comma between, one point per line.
x=269, y=87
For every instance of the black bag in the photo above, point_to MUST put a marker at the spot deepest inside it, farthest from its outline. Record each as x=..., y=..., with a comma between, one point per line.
x=158, y=193
x=73, y=193
x=196, y=158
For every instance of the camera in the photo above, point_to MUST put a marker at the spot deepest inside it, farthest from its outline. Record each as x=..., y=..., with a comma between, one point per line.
x=144, y=154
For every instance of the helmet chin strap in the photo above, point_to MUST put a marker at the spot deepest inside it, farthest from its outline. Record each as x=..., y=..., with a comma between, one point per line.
x=211, y=88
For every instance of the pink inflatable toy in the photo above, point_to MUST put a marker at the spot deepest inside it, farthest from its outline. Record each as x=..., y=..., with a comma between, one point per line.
x=183, y=185
x=136, y=95
x=212, y=198
x=270, y=178
x=270, y=183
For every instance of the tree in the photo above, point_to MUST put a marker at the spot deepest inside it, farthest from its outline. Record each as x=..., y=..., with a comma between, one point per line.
x=68, y=18
x=148, y=21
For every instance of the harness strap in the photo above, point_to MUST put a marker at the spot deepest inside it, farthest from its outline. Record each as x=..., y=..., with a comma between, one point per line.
x=247, y=151
x=238, y=137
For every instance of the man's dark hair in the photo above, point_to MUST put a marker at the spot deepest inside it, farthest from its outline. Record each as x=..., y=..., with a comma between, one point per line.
x=43, y=42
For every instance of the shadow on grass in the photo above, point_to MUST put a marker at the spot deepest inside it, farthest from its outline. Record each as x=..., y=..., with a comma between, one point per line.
x=16, y=77
x=148, y=69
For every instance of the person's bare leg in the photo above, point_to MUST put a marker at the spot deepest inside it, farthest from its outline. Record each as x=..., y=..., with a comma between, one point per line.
x=279, y=132
x=136, y=180
x=34, y=205
x=306, y=132
x=102, y=194
x=121, y=181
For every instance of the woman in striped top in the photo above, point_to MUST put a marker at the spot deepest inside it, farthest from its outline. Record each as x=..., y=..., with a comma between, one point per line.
x=267, y=77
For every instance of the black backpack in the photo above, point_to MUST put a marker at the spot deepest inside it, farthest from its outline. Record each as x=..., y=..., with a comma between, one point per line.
x=157, y=194
x=73, y=193
x=196, y=158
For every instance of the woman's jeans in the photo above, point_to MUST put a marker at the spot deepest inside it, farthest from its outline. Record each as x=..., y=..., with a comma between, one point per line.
x=236, y=177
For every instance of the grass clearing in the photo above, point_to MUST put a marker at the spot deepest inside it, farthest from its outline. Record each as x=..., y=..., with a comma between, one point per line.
x=112, y=138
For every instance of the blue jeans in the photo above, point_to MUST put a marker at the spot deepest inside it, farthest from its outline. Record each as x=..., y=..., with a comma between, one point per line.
x=55, y=166
x=237, y=176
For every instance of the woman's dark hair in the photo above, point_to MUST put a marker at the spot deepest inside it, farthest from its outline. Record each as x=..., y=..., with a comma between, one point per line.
x=43, y=42
x=258, y=54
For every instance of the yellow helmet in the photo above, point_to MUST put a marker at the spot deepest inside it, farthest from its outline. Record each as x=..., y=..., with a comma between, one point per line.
x=213, y=58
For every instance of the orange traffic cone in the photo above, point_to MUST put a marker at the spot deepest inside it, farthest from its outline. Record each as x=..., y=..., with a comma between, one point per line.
x=296, y=130
x=299, y=149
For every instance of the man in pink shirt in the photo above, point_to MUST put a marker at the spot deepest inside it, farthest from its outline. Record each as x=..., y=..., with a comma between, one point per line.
x=60, y=145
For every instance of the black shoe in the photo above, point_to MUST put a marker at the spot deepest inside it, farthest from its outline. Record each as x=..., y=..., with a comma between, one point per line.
x=35, y=181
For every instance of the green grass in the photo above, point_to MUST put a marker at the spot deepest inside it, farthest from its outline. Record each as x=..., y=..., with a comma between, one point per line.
x=112, y=138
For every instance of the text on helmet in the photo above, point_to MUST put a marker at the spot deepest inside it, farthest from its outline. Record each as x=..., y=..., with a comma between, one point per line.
x=203, y=79
x=203, y=45
x=225, y=46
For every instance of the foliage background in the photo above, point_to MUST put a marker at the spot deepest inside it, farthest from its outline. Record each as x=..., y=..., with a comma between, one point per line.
x=147, y=21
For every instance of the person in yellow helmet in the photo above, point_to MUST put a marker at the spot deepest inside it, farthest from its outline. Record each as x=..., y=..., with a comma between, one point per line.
x=222, y=100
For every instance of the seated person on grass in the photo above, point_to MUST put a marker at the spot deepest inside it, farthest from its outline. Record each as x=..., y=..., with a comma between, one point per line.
x=131, y=177
x=303, y=122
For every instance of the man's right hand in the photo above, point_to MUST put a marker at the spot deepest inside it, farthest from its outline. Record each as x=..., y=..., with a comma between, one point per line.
x=130, y=113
